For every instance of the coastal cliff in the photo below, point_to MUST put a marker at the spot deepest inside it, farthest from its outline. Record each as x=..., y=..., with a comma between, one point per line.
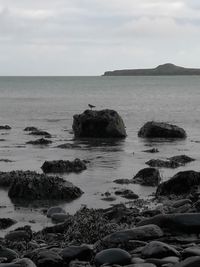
x=165, y=69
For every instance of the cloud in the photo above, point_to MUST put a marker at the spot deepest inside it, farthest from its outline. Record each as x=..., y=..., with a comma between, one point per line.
x=89, y=36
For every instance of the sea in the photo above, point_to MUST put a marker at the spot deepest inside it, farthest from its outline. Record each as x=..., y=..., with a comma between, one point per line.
x=49, y=103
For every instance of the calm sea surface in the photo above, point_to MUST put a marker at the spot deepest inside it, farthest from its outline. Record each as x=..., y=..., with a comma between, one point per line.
x=49, y=103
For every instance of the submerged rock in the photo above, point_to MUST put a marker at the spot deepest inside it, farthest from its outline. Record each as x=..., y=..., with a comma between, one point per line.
x=181, y=183
x=147, y=177
x=57, y=166
x=6, y=223
x=41, y=141
x=103, y=124
x=154, y=129
x=5, y=127
x=173, y=162
x=30, y=186
x=42, y=133
x=126, y=193
x=68, y=146
x=152, y=150
x=112, y=256
x=31, y=129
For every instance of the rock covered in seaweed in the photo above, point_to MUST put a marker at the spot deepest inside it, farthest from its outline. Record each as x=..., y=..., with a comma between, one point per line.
x=101, y=124
x=154, y=129
x=57, y=166
x=41, y=141
x=28, y=185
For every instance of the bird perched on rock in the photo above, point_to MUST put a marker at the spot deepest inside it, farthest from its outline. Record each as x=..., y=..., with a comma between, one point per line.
x=91, y=106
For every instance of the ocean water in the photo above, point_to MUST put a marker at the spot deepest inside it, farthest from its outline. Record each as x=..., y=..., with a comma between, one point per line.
x=49, y=103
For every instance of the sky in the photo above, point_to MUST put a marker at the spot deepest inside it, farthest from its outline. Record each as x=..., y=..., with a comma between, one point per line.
x=88, y=37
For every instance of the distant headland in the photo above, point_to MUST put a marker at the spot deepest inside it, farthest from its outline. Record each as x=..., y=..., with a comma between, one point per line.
x=165, y=69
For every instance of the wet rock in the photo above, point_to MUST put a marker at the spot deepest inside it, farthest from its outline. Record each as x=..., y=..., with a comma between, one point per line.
x=20, y=234
x=166, y=260
x=152, y=150
x=77, y=263
x=31, y=129
x=42, y=133
x=41, y=141
x=157, y=249
x=5, y=127
x=45, y=257
x=141, y=265
x=57, y=166
x=7, y=178
x=189, y=262
x=53, y=210
x=119, y=213
x=186, y=222
x=154, y=129
x=82, y=253
x=181, y=183
x=103, y=124
x=112, y=256
x=6, y=223
x=139, y=233
x=109, y=198
x=147, y=177
x=122, y=181
x=162, y=163
x=7, y=253
x=68, y=146
x=182, y=159
x=127, y=193
x=32, y=186
x=59, y=217
x=181, y=202
x=19, y=263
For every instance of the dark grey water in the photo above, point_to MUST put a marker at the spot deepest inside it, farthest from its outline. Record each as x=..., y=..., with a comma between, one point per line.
x=49, y=103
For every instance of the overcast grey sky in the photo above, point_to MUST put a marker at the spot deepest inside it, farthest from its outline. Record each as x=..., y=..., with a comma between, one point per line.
x=88, y=37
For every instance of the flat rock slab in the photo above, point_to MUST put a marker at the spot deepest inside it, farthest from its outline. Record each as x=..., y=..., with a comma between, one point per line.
x=59, y=166
x=154, y=129
x=99, y=124
x=186, y=222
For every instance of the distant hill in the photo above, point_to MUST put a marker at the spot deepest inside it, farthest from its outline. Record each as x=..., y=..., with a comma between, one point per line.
x=165, y=69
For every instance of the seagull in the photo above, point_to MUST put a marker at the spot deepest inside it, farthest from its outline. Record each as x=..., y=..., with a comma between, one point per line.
x=91, y=106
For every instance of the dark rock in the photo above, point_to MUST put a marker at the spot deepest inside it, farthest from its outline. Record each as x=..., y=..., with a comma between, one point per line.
x=166, y=260
x=19, y=263
x=122, y=181
x=7, y=253
x=42, y=133
x=109, y=198
x=154, y=129
x=59, y=217
x=57, y=166
x=147, y=177
x=6, y=223
x=139, y=233
x=186, y=222
x=191, y=251
x=181, y=202
x=127, y=193
x=20, y=234
x=41, y=141
x=112, y=256
x=145, y=264
x=157, y=249
x=181, y=183
x=43, y=257
x=68, y=146
x=152, y=150
x=6, y=160
x=77, y=263
x=103, y=124
x=5, y=127
x=82, y=253
x=31, y=129
x=162, y=163
x=53, y=210
x=181, y=159
x=189, y=262
x=30, y=186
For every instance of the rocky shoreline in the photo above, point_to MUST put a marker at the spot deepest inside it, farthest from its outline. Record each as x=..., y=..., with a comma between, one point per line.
x=136, y=234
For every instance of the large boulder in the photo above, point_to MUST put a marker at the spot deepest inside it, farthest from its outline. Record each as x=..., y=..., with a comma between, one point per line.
x=101, y=124
x=154, y=129
x=30, y=186
x=181, y=183
x=147, y=177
